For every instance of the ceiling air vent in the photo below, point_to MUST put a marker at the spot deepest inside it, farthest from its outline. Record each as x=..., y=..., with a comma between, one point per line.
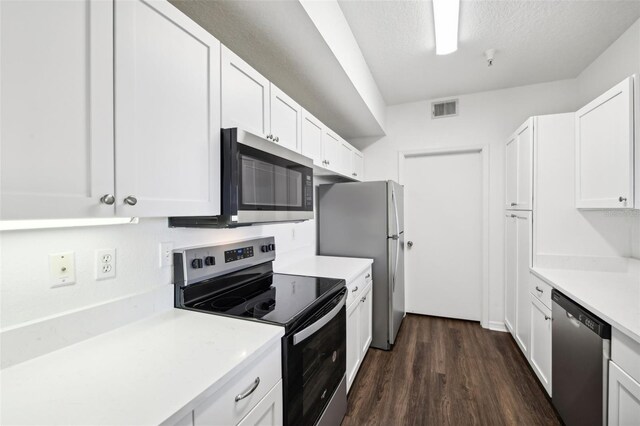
x=447, y=108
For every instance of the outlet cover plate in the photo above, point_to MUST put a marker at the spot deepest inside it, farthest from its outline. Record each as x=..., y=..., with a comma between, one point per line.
x=62, y=269
x=105, y=264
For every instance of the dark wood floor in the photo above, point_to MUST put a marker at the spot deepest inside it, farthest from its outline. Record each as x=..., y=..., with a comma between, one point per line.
x=448, y=372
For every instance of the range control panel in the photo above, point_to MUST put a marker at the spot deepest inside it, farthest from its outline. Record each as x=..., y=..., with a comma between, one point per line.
x=195, y=264
x=238, y=254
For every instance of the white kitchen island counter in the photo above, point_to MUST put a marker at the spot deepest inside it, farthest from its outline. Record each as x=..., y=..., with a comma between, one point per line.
x=347, y=268
x=613, y=296
x=149, y=372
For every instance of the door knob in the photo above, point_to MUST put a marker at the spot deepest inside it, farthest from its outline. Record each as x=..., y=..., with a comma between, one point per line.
x=131, y=200
x=622, y=199
x=410, y=244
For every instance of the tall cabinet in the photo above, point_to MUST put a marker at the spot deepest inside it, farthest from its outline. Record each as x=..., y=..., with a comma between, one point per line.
x=540, y=140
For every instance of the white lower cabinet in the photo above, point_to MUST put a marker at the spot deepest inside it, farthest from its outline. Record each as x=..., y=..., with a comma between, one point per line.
x=624, y=398
x=540, y=343
x=268, y=411
x=244, y=393
x=353, y=341
x=359, y=323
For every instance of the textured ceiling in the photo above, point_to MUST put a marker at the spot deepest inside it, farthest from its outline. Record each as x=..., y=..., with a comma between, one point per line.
x=535, y=41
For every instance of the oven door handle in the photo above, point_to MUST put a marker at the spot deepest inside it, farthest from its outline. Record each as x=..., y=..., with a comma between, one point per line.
x=303, y=335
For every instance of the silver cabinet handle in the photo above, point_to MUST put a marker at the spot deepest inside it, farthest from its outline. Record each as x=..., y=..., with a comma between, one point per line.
x=622, y=199
x=270, y=136
x=277, y=139
x=368, y=276
x=363, y=299
x=514, y=204
x=355, y=289
x=539, y=289
x=353, y=174
x=254, y=386
x=108, y=199
x=513, y=216
x=547, y=318
x=131, y=200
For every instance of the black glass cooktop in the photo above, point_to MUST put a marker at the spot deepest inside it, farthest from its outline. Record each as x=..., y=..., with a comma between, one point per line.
x=275, y=298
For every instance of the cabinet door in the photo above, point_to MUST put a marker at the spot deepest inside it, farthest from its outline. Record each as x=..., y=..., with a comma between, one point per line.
x=358, y=166
x=511, y=178
x=523, y=224
x=353, y=341
x=331, y=151
x=525, y=166
x=540, y=350
x=56, y=109
x=604, y=150
x=286, y=120
x=511, y=272
x=624, y=398
x=167, y=112
x=245, y=95
x=311, y=138
x=365, y=322
x=268, y=412
x=346, y=159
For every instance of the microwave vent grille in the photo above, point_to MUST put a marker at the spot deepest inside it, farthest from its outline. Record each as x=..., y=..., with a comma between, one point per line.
x=446, y=108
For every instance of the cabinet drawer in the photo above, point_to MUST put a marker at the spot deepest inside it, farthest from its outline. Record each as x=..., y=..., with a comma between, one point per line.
x=626, y=353
x=356, y=286
x=540, y=289
x=222, y=407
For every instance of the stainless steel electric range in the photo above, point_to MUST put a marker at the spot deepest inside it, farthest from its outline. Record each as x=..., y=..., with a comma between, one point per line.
x=237, y=280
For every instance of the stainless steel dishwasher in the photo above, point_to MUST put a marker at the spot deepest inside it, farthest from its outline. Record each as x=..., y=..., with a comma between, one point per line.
x=580, y=351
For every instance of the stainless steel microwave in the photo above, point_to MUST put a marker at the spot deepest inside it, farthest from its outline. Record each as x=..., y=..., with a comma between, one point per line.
x=262, y=182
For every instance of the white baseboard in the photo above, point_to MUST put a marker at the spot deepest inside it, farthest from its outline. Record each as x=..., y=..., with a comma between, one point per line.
x=35, y=338
x=497, y=326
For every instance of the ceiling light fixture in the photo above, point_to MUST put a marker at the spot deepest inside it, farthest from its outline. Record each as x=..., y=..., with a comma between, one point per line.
x=445, y=16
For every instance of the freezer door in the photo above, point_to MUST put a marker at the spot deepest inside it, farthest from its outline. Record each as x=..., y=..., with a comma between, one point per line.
x=395, y=208
x=396, y=286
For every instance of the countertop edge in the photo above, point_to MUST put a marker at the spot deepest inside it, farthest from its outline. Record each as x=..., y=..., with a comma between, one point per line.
x=615, y=324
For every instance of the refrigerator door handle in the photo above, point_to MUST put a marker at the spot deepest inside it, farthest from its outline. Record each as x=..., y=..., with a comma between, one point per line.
x=395, y=237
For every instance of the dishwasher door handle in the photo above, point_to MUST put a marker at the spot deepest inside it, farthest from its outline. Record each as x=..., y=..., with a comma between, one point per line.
x=573, y=320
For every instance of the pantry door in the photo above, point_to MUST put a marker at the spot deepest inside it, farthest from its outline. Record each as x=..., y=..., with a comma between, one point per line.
x=445, y=232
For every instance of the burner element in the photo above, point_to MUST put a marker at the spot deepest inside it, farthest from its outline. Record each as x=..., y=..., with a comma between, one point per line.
x=225, y=303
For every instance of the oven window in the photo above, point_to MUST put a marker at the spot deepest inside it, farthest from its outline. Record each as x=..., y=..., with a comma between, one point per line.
x=266, y=184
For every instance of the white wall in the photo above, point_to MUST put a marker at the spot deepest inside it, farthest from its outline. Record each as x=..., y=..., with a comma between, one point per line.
x=25, y=293
x=484, y=119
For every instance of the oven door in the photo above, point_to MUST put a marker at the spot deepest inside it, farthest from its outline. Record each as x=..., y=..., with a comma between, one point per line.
x=315, y=363
x=266, y=182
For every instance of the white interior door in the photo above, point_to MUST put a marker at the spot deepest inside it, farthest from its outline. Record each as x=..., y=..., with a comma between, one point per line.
x=443, y=213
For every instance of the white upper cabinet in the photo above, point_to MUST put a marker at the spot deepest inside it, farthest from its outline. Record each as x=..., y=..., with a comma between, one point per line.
x=345, y=164
x=167, y=112
x=286, y=120
x=245, y=96
x=605, y=149
x=358, y=166
x=57, y=109
x=311, y=138
x=519, y=168
x=331, y=149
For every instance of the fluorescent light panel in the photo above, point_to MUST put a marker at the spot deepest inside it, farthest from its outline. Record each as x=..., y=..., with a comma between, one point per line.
x=14, y=225
x=446, y=16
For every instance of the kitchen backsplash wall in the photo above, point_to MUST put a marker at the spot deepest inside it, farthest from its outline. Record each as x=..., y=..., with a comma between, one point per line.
x=26, y=294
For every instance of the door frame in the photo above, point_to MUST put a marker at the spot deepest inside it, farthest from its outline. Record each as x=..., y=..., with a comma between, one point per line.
x=483, y=150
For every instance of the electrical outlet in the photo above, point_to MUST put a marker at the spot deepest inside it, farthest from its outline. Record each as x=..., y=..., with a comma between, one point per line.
x=166, y=254
x=62, y=269
x=105, y=264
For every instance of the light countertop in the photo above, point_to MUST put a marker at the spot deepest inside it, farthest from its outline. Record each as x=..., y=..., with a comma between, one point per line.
x=613, y=296
x=142, y=373
x=347, y=268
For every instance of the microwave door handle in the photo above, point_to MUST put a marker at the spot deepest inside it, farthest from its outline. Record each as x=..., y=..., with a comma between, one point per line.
x=303, y=335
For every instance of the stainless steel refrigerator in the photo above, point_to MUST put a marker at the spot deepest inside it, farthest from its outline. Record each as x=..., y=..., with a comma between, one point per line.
x=366, y=219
